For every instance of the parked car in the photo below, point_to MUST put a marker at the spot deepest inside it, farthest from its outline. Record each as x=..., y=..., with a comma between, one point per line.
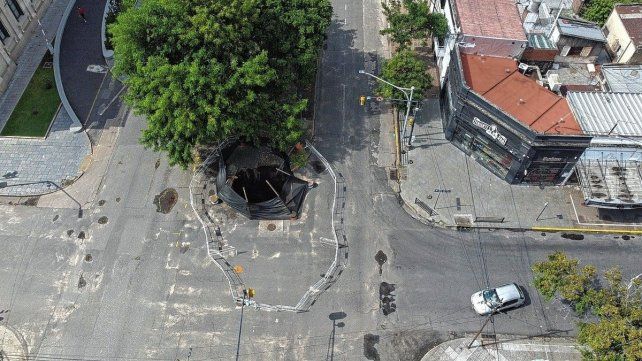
x=497, y=299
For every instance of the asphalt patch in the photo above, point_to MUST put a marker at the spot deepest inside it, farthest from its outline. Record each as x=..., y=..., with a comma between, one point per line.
x=166, y=200
x=369, y=349
x=573, y=236
x=81, y=282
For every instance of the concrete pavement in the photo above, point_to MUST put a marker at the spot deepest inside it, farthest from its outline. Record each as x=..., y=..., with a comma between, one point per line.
x=505, y=349
x=447, y=187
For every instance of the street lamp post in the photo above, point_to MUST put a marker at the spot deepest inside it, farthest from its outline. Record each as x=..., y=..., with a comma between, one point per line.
x=407, y=92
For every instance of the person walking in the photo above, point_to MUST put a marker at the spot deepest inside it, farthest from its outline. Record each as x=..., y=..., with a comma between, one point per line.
x=81, y=12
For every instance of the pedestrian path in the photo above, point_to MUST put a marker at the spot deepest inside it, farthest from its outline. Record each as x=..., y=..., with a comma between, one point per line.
x=504, y=349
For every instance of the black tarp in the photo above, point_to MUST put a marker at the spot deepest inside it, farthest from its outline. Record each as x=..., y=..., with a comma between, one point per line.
x=262, y=192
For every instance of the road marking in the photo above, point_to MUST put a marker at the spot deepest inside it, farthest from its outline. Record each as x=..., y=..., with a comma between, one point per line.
x=537, y=348
x=95, y=68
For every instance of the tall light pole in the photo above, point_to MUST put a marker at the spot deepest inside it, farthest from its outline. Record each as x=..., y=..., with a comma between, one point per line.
x=407, y=92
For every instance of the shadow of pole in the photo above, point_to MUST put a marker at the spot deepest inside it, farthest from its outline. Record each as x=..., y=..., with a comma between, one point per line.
x=80, y=210
x=334, y=317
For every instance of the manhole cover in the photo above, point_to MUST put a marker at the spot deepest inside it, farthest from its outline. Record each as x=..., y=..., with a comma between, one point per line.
x=271, y=227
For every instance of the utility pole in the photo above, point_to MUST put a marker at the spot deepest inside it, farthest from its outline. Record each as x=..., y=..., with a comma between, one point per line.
x=492, y=313
x=407, y=92
x=247, y=295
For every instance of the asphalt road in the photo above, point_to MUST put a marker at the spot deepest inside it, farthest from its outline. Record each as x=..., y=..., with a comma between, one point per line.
x=141, y=296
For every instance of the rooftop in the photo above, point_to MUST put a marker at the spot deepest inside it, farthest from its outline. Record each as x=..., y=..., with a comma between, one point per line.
x=539, y=41
x=490, y=18
x=631, y=16
x=599, y=112
x=623, y=78
x=580, y=29
x=499, y=81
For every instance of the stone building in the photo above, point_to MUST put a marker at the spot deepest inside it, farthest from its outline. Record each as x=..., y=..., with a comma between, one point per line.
x=18, y=21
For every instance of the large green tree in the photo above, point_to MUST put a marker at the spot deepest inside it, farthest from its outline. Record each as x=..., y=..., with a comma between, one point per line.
x=203, y=70
x=405, y=69
x=599, y=10
x=616, y=335
x=412, y=20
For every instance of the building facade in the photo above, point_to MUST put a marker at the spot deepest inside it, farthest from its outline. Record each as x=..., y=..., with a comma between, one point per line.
x=544, y=152
x=623, y=31
x=18, y=21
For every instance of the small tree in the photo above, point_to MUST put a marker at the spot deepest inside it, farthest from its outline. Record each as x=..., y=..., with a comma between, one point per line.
x=617, y=335
x=412, y=19
x=599, y=10
x=404, y=69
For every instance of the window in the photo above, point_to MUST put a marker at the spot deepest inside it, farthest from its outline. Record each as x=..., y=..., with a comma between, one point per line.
x=575, y=50
x=15, y=8
x=4, y=34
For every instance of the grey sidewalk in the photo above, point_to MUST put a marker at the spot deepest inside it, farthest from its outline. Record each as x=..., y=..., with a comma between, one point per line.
x=445, y=180
x=505, y=350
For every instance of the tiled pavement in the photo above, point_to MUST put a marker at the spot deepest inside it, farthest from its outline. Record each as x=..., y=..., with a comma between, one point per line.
x=37, y=166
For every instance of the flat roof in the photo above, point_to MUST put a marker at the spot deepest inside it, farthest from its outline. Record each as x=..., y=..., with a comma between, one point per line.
x=490, y=18
x=623, y=78
x=599, y=112
x=631, y=16
x=580, y=29
x=498, y=80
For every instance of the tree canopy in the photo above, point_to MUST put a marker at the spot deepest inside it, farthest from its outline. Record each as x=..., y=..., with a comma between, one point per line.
x=599, y=10
x=203, y=70
x=405, y=69
x=411, y=19
x=616, y=335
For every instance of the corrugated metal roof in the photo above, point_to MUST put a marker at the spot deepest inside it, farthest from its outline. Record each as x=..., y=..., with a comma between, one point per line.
x=598, y=112
x=580, y=29
x=623, y=78
x=539, y=41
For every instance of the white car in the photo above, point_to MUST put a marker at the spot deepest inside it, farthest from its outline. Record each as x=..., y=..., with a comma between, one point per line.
x=497, y=299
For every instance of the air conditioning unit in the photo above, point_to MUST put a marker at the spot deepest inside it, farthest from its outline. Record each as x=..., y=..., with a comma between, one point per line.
x=554, y=82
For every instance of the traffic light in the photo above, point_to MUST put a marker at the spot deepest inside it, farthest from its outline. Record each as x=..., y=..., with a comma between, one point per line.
x=362, y=100
x=411, y=120
x=250, y=292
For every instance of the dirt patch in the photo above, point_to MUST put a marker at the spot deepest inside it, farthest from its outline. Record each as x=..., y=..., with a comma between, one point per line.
x=318, y=166
x=103, y=220
x=166, y=200
x=157, y=164
x=573, y=236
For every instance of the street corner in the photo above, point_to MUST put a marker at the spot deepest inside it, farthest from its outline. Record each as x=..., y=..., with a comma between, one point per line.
x=505, y=349
x=257, y=250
